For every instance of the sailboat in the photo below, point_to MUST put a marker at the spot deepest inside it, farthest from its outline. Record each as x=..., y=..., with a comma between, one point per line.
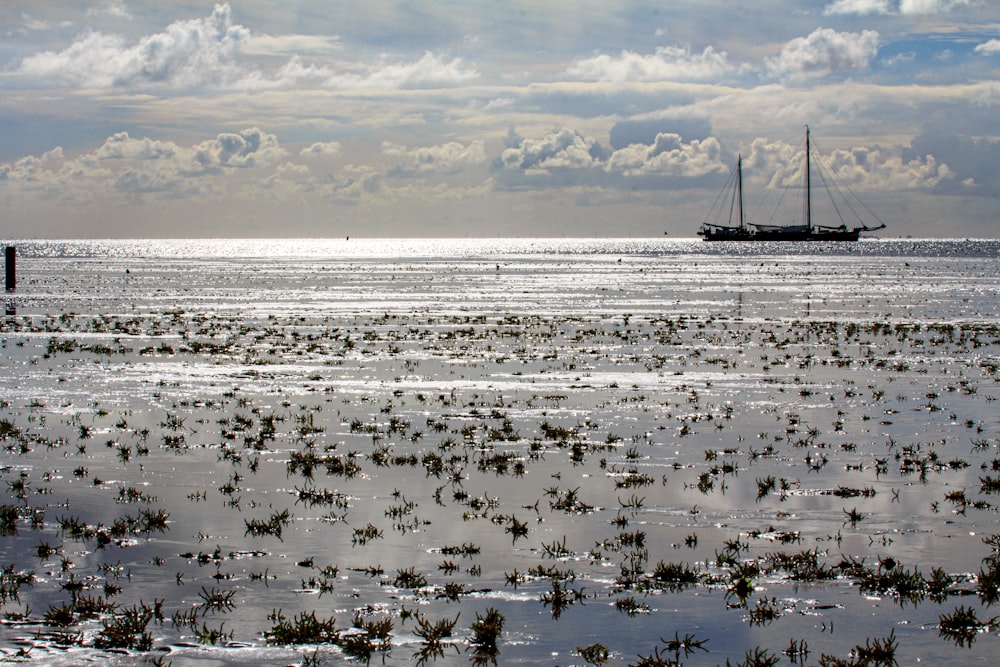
x=745, y=231
x=731, y=232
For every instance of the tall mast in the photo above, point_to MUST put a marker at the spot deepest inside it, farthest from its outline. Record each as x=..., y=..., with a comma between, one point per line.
x=739, y=187
x=808, y=215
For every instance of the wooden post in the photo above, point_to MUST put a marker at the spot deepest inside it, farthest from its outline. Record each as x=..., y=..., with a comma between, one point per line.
x=10, y=261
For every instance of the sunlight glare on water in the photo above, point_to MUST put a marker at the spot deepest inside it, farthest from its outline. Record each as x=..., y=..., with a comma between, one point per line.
x=608, y=441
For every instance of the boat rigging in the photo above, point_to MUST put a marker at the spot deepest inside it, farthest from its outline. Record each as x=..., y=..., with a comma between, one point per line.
x=743, y=230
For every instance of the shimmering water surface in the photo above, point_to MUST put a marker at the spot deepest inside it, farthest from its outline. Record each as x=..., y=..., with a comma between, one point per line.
x=612, y=443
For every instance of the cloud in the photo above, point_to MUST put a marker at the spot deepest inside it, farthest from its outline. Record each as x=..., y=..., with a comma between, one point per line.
x=321, y=148
x=825, y=51
x=31, y=23
x=561, y=149
x=875, y=169
x=669, y=156
x=448, y=158
x=990, y=48
x=245, y=165
x=394, y=149
x=292, y=170
x=246, y=148
x=429, y=71
x=860, y=7
x=275, y=45
x=906, y=7
x=187, y=53
x=498, y=103
x=121, y=146
x=295, y=73
x=975, y=160
x=137, y=166
x=565, y=157
x=290, y=181
x=644, y=130
x=901, y=59
x=867, y=168
x=143, y=166
x=211, y=53
x=351, y=185
x=115, y=8
x=668, y=63
x=931, y=6
x=31, y=168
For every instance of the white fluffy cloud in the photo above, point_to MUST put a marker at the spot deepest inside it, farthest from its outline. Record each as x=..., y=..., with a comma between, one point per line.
x=873, y=168
x=33, y=171
x=825, y=51
x=905, y=7
x=561, y=149
x=989, y=48
x=931, y=6
x=248, y=162
x=429, y=71
x=668, y=155
x=668, y=63
x=212, y=52
x=246, y=148
x=135, y=166
x=782, y=166
x=861, y=7
x=449, y=158
x=320, y=148
x=583, y=160
x=567, y=157
x=121, y=146
x=778, y=164
x=187, y=53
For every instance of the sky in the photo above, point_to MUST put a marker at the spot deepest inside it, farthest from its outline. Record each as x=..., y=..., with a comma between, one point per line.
x=452, y=118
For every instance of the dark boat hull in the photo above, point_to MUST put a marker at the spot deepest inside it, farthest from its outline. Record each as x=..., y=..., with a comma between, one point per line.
x=809, y=235
x=726, y=234
x=815, y=234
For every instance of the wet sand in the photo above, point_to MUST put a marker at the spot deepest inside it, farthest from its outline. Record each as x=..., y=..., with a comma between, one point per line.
x=241, y=459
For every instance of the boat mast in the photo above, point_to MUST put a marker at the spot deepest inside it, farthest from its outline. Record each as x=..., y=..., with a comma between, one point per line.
x=808, y=202
x=739, y=187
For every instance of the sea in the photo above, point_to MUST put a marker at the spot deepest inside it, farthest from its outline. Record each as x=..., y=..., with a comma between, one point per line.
x=500, y=451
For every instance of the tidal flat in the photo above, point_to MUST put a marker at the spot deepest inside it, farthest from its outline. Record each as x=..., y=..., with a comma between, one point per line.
x=500, y=452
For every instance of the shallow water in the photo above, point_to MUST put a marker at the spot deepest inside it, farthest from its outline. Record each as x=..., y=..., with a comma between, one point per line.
x=580, y=410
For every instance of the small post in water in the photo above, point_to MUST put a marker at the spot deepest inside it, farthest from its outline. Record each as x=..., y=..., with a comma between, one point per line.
x=10, y=261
